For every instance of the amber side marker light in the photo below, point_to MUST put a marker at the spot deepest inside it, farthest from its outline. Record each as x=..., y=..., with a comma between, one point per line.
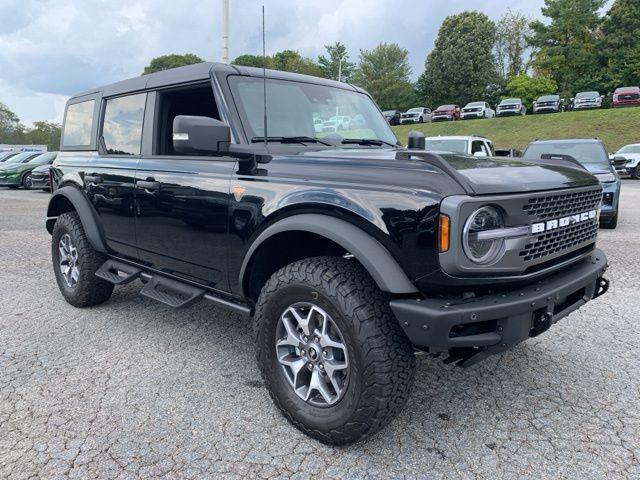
x=445, y=230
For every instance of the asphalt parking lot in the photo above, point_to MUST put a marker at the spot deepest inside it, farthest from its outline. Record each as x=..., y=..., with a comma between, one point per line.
x=135, y=389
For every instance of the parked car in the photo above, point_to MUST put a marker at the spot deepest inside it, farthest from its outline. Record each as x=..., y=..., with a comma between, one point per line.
x=626, y=97
x=587, y=100
x=16, y=171
x=632, y=154
x=511, y=106
x=508, y=152
x=548, y=104
x=416, y=115
x=470, y=145
x=350, y=256
x=477, y=110
x=336, y=124
x=392, y=116
x=4, y=156
x=446, y=112
x=40, y=175
x=593, y=156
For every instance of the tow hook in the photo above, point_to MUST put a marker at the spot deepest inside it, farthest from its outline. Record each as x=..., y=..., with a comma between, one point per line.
x=602, y=285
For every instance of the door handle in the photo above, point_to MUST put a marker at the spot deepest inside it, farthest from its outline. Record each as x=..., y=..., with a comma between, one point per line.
x=93, y=179
x=148, y=185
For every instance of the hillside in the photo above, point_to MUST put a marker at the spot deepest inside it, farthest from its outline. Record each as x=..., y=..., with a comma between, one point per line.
x=615, y=127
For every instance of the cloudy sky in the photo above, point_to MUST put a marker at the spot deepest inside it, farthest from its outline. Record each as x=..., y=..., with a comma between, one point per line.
x=51, y=49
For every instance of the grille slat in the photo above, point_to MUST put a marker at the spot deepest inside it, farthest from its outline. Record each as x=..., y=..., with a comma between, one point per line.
x=554, y=206
x=557, y=241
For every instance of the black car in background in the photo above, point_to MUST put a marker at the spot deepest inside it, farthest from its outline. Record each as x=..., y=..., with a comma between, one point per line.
x=40, y=177
x=392, y=116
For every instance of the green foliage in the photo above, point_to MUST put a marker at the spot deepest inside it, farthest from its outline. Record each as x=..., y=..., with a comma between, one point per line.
x=13, y=132
x=511, y=44
x=166, y=62
x=461, y=65
x=566, y=46
x=620, y=44
x=616, y=127
x=286, y=61
x=384, y=73
x=330, y=65
x=530, y=88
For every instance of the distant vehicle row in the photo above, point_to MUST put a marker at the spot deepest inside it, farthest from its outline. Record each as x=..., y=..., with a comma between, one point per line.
x=25, y=169
x=622, y=97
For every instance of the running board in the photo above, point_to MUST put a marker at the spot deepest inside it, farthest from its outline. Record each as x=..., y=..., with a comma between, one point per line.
x=117, y=272
x=171, y=292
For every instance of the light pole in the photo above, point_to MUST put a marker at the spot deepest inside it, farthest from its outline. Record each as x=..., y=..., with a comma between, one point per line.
x=340, y=70
x=225, y=31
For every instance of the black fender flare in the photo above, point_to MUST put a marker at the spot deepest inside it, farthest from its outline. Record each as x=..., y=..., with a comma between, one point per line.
x=84, y=209
x=373, y=256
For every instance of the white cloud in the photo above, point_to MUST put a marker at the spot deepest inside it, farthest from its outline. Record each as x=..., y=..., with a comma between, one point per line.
x=54, y=48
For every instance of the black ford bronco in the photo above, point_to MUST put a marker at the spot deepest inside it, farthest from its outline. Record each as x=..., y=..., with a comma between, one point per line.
x=288, y=198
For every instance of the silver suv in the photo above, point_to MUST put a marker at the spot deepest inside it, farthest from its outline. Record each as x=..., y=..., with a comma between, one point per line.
x=416, y=115
x=511, y=106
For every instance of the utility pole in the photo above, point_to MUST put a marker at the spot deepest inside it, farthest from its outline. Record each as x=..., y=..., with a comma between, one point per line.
x=340, y=70
x=225, y=31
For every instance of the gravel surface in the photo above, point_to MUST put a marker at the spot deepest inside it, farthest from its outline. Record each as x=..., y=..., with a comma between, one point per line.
x=135, y=389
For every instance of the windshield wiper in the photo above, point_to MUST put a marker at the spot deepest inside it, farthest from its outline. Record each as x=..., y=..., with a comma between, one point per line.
x=367, y=141
x=292, y=139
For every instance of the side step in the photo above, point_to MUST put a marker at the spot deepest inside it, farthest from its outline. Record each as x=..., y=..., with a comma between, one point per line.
x=170, y=292
x=117, y=272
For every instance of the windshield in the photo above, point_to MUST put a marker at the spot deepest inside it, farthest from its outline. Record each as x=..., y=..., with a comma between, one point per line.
x=549, y=98
x=292, y=107
x=446, y=145
x=4, y=155
x=446, y=107
x=587, y=95
x=389, y=112
x=21, y=157
x=591, y=155
x=414, y=110
x=509, y=100
x=44, y=158
x=475, y=104
x=630, y=149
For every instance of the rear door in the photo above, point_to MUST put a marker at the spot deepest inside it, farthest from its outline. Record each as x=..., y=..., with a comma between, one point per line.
x=183, y=200
x=109, y=179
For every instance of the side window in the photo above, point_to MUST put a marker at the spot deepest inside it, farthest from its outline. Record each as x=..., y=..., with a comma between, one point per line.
x=78, y=124
x=122, y=127
x=195, y=100
x=477, y=146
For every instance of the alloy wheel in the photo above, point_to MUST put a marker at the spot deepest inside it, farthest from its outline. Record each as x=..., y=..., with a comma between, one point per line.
x=312, y=354
x=68, y=260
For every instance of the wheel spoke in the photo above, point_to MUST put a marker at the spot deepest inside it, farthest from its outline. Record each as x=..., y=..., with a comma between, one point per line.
x=292, y=338
x=303, y=322
x=320, y=385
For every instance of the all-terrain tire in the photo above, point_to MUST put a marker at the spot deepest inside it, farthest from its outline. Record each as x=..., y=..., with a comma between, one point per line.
x=89, y=289
x=382, y=361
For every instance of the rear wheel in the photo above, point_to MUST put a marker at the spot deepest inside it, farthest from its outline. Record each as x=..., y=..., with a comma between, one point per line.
x=75, y=263
x=27, y=181
x=333, y=356
x=635, y=174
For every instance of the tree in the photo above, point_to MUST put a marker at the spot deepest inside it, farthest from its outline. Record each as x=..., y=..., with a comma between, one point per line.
x=529, y=88
x=166, y=62
x=384, y=73
x=461, y=65
x=249, y=60
x=9, y=121
x=286, y=61
x=332, y=67
x=566, y=47
x=44, y=133
x=511, y=44
x=620, y=44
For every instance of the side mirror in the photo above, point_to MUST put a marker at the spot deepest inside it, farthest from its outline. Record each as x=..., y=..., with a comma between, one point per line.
x=571, y=99
x=193, y=135
x=480, y=154
x=618, y=160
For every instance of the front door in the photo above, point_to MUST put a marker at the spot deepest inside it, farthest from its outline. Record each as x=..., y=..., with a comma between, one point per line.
x=182, y=212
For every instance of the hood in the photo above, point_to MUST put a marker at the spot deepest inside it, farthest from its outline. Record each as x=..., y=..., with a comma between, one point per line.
x=458, y=174
x=444, y=111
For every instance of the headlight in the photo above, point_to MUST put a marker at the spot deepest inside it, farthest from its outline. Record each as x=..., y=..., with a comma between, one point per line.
x=479, y=244
x=606, y=177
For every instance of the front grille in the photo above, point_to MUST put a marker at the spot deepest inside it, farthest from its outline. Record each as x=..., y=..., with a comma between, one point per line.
x=557, y=241
x=508, y=107
x=469, y=110
x=554, y=206
x=630, y=97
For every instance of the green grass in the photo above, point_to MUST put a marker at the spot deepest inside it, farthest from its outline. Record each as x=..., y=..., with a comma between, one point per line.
x=614, y=127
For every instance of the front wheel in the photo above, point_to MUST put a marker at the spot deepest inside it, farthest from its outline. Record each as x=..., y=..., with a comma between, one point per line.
x=635, y=174
x=333, y=356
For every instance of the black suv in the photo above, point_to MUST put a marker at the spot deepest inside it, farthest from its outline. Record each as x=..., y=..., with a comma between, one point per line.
x=351, y=252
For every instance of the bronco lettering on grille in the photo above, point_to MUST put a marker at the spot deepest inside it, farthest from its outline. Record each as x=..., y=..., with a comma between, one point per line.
x=563, y=222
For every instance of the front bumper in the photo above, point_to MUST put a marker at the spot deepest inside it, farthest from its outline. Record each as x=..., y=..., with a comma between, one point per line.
x=39, y=181
x=505, y=113
x=441, y=118
x=409, y=120
x=609, y=205
x=465, y=116
x=545, y=109
x=8, y=180
x=586, y=106
x=479, y=327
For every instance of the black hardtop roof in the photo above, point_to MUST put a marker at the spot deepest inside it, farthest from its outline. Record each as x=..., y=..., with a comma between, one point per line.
x=202, y=71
